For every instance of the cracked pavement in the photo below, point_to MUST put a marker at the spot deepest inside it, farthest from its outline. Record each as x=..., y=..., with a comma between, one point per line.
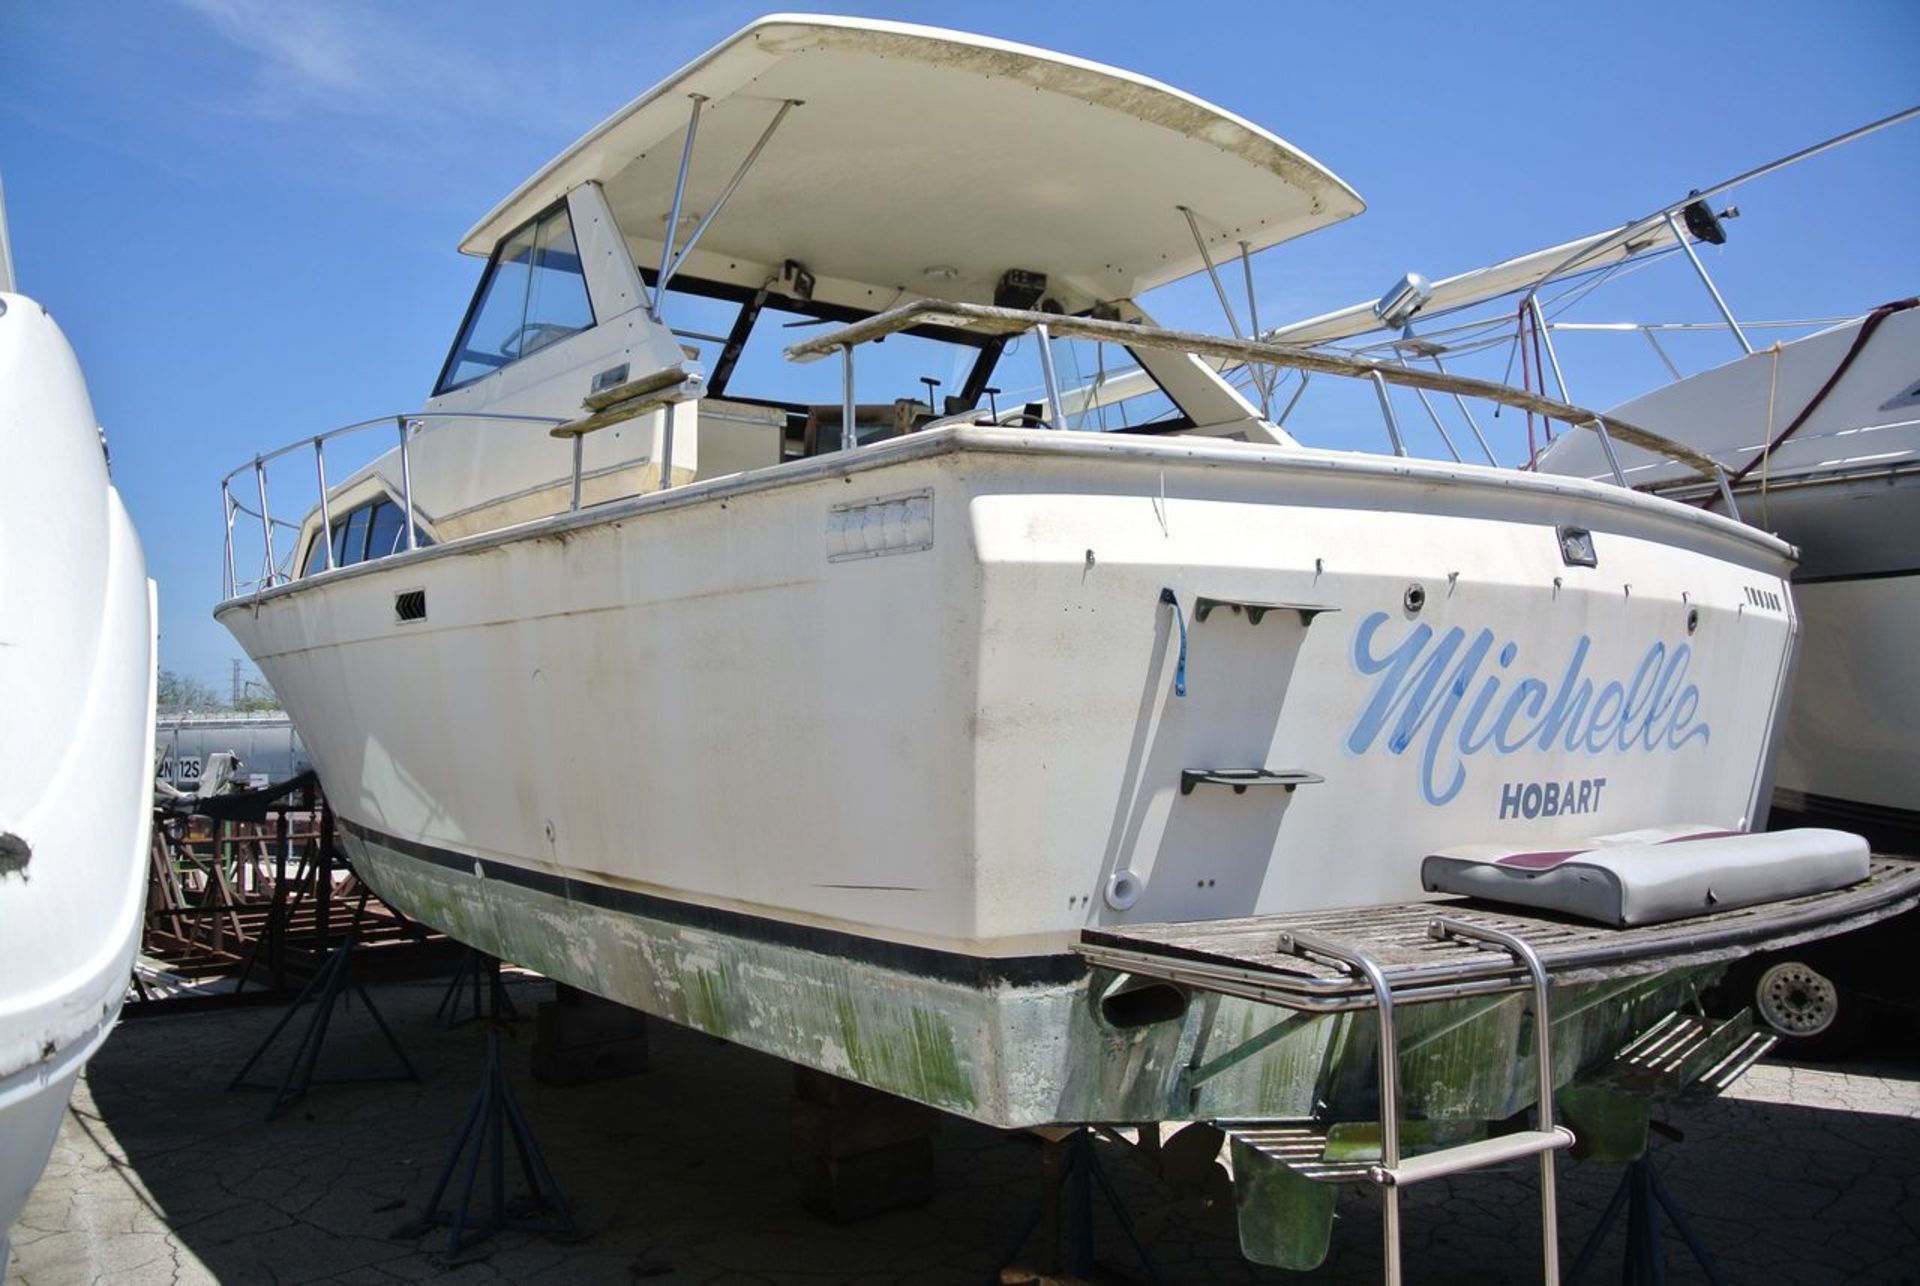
x=1804, y=1174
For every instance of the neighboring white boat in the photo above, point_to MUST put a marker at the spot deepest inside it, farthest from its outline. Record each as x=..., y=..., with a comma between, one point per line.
x=76, y=759
x=1821, y=438
x=626, y=666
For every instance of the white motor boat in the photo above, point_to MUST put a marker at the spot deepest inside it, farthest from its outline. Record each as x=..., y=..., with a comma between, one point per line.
x=921, y=739
x=1820, y=438
x=77, y=672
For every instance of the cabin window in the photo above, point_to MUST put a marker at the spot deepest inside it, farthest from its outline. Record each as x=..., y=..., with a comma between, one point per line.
x=372, y=530
x=350, y=538
x=383, y=530
x=533, y=295
x=316, y=561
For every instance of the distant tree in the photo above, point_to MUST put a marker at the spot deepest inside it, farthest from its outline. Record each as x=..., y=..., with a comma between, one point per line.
x=183, y=692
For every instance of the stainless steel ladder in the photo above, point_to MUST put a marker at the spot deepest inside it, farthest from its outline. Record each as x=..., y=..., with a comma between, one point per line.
x=1393, y=1171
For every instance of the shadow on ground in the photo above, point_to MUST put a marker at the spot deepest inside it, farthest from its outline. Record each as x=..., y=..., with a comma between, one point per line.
x=681, y=1175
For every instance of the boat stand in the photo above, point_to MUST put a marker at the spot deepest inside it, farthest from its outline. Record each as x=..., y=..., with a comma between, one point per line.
x=1072, y=1168
x=493, y=1118
x=1643, y=1196
x=328, y=988
x=479, y=973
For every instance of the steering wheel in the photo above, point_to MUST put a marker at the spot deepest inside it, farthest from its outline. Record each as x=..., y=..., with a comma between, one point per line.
x=515, y=344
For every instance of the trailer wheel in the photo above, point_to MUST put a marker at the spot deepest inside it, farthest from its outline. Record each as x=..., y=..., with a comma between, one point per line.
x=1811, y=1014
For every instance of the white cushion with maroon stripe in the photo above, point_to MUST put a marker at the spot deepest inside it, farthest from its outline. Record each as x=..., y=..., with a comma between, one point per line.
x=1650, y=876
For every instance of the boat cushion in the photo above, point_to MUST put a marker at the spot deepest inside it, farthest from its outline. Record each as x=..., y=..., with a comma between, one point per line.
x=1651, y=876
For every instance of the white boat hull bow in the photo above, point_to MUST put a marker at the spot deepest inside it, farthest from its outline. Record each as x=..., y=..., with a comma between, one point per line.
x=76, y=689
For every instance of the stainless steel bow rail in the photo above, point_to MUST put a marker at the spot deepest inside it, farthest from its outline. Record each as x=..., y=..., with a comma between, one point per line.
x=406, y=425
x=1383, y=957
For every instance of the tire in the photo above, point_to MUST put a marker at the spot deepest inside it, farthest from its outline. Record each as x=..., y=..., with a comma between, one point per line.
x=1815, y=1018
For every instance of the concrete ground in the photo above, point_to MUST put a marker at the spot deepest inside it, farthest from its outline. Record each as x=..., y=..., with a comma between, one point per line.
x=682, y=1175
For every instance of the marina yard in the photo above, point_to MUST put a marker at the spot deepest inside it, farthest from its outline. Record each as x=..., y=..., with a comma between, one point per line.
x=1801, y=1174
x=1068, y=802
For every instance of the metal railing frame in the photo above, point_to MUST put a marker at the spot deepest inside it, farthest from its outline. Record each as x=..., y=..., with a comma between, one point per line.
x=1007, y=321
x=406, y=424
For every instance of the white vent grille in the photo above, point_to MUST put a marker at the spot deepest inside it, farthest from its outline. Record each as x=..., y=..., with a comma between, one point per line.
x=890, y=525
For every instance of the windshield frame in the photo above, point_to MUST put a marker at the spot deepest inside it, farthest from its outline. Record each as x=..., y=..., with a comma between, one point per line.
x=444, y=382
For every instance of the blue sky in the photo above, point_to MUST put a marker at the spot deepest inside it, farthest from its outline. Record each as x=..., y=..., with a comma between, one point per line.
x=244, y=214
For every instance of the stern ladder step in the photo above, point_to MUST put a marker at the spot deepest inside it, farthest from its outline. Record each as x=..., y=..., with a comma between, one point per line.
x=1478, y=1155
x=1393, y=1172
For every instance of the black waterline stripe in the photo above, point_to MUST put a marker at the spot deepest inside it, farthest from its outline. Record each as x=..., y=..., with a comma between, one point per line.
x=931, y=962
x=1841, y=577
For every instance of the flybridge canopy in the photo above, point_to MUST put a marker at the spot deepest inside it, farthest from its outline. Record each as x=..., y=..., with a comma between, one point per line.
x=929, y=161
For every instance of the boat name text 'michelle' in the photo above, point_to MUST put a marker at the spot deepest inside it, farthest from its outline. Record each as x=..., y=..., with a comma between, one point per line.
x=1653, y=711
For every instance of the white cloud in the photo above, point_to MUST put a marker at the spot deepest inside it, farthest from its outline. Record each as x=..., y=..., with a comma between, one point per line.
x=347, y=57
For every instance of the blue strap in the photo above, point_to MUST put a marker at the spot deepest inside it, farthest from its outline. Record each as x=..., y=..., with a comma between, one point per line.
x=1168, y=597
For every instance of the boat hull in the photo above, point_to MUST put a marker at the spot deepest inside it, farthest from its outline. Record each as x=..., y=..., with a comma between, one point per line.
x=1011, y=1042
x=76, y=752
x=932, y=696
x=1850, y=745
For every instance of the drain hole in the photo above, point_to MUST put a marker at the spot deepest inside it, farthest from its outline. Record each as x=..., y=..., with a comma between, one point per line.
x=410, y=605
x=1143, y=1004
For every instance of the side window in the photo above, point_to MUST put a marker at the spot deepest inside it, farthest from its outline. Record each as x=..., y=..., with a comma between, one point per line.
x=534, y=294
x=383, y=532
x=557, y=295
x=339, y=542
x=353, y=539
x=374, y=530
x=316, y=559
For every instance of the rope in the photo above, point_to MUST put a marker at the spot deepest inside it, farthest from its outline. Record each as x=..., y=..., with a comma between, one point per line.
x=1172, y=600
x=1540, y=369
x=1526, y=381
x=1773, y=387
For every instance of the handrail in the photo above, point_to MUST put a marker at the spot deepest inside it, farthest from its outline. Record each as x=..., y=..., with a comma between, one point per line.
x=983, y=317
x=388, y=420
x=271, y=571
x=1789, y=324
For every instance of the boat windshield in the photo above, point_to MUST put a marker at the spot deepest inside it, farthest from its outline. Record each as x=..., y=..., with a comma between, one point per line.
x=533, y=295
x=740, y=336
